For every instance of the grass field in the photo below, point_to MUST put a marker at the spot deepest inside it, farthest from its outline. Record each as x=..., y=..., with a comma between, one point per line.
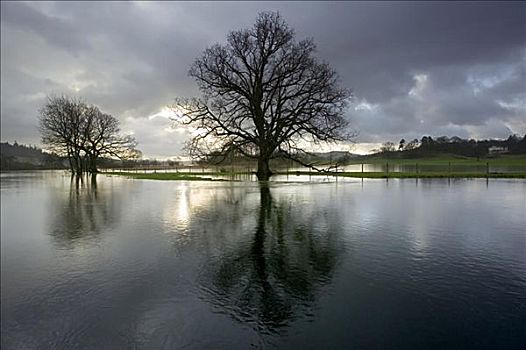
x=443, y=166
x=445, y=159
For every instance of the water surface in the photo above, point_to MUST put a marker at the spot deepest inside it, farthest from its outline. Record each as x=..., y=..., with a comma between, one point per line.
x=121, y=263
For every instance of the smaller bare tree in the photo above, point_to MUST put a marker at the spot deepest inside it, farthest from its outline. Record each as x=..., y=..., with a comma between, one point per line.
x=82, y=133
x=60, y=127
x=104, y=139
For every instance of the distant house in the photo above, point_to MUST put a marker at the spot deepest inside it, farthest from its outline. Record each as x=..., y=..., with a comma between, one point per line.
x=497, y=150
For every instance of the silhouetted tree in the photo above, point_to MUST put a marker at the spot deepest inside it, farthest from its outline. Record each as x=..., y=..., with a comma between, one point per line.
x=412, y=145
x=103, y=138
x=442, y=139
x=426, y=142
x=264, y=95
x=388, y=147
x=82, y=133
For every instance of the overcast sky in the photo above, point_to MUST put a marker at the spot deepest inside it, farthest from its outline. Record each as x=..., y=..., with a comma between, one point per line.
x=415, y=69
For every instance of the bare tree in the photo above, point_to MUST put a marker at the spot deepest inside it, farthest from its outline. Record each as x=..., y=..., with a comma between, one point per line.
x=82, y=133
x=264, y=96
x=60, y=126
x=104, y=139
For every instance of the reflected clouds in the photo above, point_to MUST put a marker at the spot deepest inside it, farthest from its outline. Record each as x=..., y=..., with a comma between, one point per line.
x=104, y=265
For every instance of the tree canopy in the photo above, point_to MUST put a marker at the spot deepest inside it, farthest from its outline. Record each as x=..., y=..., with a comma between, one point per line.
x=72, y=128
x=264, y=95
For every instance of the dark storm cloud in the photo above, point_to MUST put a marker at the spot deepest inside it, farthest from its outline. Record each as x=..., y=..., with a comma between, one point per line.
x=55, y=30
x=415, y=68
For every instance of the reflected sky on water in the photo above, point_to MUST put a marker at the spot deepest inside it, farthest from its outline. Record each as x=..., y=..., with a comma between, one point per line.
x=122, y=263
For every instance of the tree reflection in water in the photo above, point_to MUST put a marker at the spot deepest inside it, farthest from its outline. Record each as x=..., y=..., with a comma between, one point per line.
x=275, y=276
x=83, y=213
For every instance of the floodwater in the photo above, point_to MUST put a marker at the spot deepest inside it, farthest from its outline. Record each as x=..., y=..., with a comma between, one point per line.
x=373, y=264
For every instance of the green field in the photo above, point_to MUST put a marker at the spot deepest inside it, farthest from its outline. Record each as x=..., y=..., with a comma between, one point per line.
x=443, y=166
x=445, y=159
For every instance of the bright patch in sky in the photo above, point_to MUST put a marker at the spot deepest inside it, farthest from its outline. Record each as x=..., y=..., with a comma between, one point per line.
x=363, y=105
x=420, y=85
x=166, y=113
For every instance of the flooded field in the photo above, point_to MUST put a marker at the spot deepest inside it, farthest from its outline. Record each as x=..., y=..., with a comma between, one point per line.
x=397, y=264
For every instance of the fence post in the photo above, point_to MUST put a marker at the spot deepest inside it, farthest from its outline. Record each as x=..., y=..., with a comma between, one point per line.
x=417, y=168
x=487, y=168
x=387, y=168
x=449, y=168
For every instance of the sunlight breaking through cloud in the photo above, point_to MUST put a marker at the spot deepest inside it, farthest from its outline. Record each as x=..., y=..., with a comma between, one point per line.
x=407, y=83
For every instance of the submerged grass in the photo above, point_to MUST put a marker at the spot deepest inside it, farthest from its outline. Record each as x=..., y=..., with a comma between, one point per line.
x=168, y=176
x=414, y=175
x=368, y=175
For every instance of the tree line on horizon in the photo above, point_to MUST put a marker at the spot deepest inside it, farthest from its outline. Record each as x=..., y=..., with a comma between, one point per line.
x=30, y=157
x=27, y=157
x=17, y=156
x=427, y=146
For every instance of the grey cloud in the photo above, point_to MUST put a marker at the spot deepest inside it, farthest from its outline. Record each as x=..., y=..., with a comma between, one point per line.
x=375, y=46
x=132, y=59
x=55, y=30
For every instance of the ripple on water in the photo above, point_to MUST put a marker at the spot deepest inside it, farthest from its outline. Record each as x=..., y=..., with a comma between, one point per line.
x=144, y=264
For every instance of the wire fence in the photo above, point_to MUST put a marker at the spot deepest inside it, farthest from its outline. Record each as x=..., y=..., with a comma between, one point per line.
x=413, y=168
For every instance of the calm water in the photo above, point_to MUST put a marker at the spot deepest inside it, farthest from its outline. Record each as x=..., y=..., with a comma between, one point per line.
x=125, y=263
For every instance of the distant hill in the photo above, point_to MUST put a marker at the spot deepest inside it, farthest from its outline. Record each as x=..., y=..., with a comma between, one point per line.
x=429, y=147
x=22, y=157
x=332, y=156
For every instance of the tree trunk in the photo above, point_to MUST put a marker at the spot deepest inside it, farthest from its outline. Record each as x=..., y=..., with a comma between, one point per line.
x=78, y=163
x=93, y=164
x=263, y=172
x=70, y=160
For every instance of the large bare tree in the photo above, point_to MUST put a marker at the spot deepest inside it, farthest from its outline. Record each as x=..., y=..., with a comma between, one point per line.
x=264, y=95
x=82, y=133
